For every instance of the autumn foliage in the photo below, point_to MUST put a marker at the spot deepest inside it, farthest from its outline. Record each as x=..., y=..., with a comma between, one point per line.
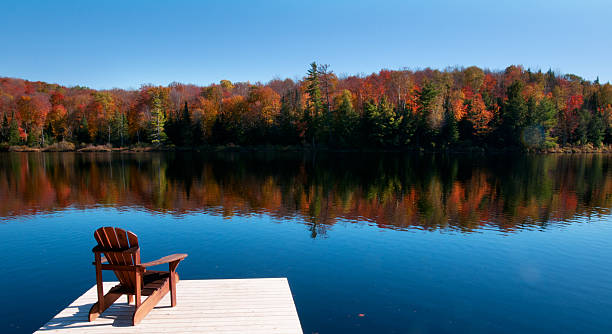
x=389, y=109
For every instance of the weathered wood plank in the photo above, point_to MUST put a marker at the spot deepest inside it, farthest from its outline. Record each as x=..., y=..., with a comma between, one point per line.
x=261, y=305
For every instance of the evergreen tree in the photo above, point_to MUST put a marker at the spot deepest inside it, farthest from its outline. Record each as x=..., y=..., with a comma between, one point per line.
x=383, y=123
x=450, y=130
x=514, y=114
x=313, y=89
x=313, y=116
x=596, y=129
x=425, y=105
x=546, y=114
x=5, y=129
x=287, y=120
x=346, y=120
x=581, y=132
x=171, y=129
x=407, y=126
x=197, y=132
x=531, y=115
x=82, y=132
x=119, y=129
x=545, y=119
x=13, y=134
x=158, y=119
x=366, y=124
x=186, y=128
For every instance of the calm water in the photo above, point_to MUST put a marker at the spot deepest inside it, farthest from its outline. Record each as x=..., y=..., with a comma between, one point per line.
x=415, y=243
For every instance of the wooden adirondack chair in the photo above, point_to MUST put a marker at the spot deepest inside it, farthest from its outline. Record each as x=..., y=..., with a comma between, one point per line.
x=121, y=250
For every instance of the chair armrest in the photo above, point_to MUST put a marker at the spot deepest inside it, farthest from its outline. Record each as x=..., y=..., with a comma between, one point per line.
x=165, y=259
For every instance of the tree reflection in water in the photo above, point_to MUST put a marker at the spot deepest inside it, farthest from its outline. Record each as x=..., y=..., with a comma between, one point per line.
x=399, y=191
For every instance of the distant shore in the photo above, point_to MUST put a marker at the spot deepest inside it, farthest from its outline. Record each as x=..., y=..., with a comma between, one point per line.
x=71, y=147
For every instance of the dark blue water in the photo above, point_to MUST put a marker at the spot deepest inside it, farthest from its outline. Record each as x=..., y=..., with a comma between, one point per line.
x=412, y=254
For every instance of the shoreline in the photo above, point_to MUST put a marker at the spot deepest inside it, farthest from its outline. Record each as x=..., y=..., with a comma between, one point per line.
x=69, y=147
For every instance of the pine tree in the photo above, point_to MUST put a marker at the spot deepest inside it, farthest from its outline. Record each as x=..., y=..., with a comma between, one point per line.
x=514, y=114
x=158, y=119
x=287, y=121
x=185, y=127
x=119, y=129
x=581, y=135
x=450, y=129
x=531, y=115
x=407, y=126
x=13, y=134
x=546, y=114
x=314, y=90
x=382, y=123
x=346, y=120
x=313, y=118
x=596, y=129
x=425, y=105
x=5, y=129
x=198, y=135
x=82, y=132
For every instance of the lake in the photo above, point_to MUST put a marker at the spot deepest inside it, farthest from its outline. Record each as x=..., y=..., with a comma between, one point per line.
x=370, y=243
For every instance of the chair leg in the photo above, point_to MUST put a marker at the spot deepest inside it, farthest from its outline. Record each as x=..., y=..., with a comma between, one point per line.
x=148, y=304
x=138, y=289
x=107, y=300
x=130, y=299
x=173, y=280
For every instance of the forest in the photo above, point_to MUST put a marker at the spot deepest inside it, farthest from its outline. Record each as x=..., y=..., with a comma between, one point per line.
x=393, y=109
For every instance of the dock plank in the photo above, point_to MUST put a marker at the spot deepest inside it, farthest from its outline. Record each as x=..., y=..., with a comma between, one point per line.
x=259, y=305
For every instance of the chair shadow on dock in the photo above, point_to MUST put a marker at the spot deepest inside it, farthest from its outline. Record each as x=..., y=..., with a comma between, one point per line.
x=119, y=313
x=254, y=305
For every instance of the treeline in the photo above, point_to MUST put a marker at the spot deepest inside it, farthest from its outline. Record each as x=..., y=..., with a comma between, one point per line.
x=401, y=109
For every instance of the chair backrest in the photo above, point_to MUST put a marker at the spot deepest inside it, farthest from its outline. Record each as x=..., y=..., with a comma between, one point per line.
x=116, y=239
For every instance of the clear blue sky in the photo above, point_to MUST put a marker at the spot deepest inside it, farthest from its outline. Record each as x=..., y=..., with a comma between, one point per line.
x=105, y=44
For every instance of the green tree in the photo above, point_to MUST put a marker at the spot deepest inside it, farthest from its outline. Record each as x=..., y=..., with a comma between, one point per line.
x=119, y=129
x=287, y=119
x=197, y=132
x=13, y=133
x=383, y=122
x=82, y=132
x=158, y=119
x=313, y=117
x=546, y=114
x=450, y=129
x=596, y=129
x=5, y=129
x=425, y=108
x=581, y=135
x=313, y=89
x=514, y=114
x=185, y=127
x=407, y=127
x=531, y=115
x=346, y=120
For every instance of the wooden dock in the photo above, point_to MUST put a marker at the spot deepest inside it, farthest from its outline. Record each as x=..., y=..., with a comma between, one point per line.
x=260, y=305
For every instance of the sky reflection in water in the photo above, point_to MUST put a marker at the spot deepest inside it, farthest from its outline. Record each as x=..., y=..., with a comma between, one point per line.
x=416, y=243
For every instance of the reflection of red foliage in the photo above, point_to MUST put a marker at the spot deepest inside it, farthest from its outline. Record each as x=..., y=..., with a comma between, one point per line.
x=466, y=204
